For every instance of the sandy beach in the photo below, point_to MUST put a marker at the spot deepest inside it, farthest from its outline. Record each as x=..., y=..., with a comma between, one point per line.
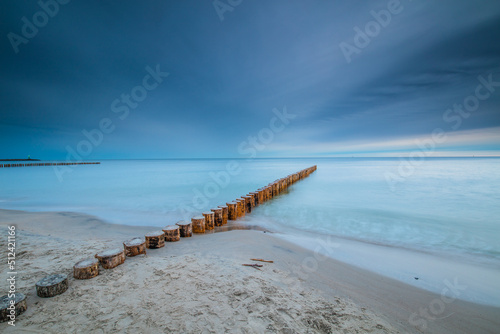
x=198, y=285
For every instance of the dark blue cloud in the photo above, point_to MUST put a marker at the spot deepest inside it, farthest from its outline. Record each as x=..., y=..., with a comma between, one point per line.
x=226, y=76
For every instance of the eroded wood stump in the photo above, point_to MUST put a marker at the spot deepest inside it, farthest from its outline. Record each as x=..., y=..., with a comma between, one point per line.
x=198, y=224
x=155, y=239
x=225, y=213
x=217, y=216
x=240, y=204
x=185, y=229
x=248, y=203
x=209, y=220
x=134, y=246
x=255, y=199
x=52, y=285
x=10, y=308
x=172, y=233
x=85, y=269
x=232, y=208
x=261, y=196
x=111, y=258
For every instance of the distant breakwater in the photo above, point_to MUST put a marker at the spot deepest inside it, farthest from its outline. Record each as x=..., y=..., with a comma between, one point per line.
x=38, y=164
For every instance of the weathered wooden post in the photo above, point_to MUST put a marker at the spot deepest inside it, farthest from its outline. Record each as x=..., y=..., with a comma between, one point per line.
x=218, y=219
x=185, y=229
x=232, y=208
x=19, y=302
x=255, y=198
x=225, y=213
x=209, y=220
x=86, y=269
x=111, y=258
x=247, y=204
x=52, y=285
x=172, y=233
x=155, y=239
x=134, y=247
x=198, y=224
x=261, y=196
x=240, y=203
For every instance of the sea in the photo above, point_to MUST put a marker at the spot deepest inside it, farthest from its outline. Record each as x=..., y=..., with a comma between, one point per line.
x=433, y=223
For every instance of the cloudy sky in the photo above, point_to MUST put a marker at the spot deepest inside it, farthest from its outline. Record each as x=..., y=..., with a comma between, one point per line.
x=425, y=76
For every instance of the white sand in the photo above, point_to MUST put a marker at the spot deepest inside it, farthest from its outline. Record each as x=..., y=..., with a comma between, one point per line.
x=198, y=285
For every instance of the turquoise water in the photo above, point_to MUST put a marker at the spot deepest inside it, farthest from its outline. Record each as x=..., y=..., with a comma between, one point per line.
x=447, y=207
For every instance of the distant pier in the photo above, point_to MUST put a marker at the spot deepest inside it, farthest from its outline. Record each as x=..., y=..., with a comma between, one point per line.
x=37, y=164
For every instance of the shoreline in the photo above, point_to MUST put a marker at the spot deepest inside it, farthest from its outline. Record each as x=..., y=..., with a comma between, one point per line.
x=425, y=270
x=389, y=303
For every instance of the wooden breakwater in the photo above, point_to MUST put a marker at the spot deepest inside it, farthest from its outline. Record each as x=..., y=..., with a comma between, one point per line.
x=54, y=285
x=241, y=206
x=49, y=164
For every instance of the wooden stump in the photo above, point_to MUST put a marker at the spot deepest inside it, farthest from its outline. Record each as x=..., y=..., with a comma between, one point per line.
x=217, y=216
x=185, y=229
x=172, y=233
x=85, y=269
x=232, y=207
x=111, y=258
x=238, y=208
x=248, y=203
x=52, y=285
x=10, y=308
x=241, y=207
x=255, y=199
x=134, y=246
x=155, y=239
x=198, y=224
x=260, y=194
x=209, y=220
x=225, y=213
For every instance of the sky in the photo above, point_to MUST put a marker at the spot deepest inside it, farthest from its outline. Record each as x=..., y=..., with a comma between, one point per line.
x=239, y=78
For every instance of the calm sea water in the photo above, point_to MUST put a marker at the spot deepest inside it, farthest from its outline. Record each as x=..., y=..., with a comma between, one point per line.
x=447, y=208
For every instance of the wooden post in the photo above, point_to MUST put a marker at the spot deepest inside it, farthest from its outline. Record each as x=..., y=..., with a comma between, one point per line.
x=255, y=198
x=19, y=301
x=217, y=216
x=238, y=208
x=172, y=233
x=134, y=247
x=209, y=220
x=85, y=269
x=155, y=239
x=248, y=203
x=111, y=258
x=52, y=285
x=261, y=196
x=240, y=203
x=232, y=214
x=185, y=229
x=270, y=191
x=198, y=224
x=225, y=213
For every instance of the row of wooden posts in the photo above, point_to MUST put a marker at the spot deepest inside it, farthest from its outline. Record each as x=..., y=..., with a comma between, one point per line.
x=200, y=224
x=54, y=285
x=49, y=164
